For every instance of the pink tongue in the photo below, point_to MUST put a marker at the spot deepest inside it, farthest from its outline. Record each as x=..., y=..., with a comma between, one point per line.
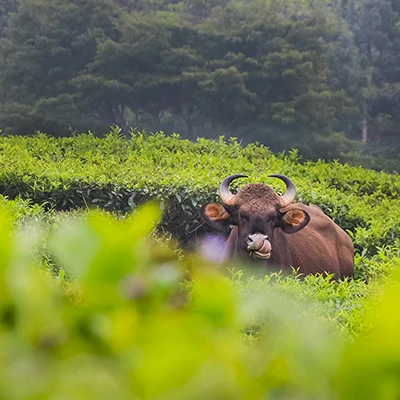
x=265, y=248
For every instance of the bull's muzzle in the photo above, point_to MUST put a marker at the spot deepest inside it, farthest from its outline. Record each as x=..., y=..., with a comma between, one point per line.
x=259, y=246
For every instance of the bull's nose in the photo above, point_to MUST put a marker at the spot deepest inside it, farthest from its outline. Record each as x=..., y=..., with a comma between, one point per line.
x=255, y=241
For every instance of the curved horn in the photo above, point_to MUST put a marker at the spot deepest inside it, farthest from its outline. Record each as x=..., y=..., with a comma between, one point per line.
x=288, y=197
x=226, y=196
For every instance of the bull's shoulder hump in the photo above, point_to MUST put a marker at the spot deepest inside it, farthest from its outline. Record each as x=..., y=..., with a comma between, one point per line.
x=311, y=209
x=317, y=215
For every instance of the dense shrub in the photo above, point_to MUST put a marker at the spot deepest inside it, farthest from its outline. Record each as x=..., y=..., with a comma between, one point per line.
x=100, y=304
x=118, y=174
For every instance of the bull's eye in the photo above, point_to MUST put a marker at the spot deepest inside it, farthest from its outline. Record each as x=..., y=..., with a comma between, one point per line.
x=243, y=218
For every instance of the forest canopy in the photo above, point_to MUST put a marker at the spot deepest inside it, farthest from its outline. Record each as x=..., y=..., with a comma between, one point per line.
x=319, y=75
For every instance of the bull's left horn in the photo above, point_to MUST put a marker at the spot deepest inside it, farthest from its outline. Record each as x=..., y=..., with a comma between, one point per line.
x=288, y=197
x=226, y=196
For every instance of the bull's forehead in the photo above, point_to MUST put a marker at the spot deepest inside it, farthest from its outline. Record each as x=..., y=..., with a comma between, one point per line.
x=257, y=196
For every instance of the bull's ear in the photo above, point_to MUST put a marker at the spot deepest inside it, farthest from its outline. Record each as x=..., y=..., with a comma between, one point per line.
x=217, y=216
x=294, y=219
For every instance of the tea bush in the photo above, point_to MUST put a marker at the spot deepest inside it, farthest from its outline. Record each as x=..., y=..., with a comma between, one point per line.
x=118, y=174
x=99, y=304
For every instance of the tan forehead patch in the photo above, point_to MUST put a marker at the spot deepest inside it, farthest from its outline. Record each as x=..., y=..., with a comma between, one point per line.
x=257, y=198
x=257, y=192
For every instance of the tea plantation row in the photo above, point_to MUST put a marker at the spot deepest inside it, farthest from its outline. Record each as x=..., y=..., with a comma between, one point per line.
x=117, y=174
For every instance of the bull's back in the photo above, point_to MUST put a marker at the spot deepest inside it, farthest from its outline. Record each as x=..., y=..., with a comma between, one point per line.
x=322, y=246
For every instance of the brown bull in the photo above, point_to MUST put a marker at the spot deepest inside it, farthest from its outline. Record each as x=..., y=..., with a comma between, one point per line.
x=284, y=235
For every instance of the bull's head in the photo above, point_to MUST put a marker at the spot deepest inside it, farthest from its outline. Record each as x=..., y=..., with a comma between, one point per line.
x=257, y=211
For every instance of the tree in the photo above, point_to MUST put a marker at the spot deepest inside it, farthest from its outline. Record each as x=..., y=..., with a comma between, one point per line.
x=283, y=51
x=6, y=7
x=47, y=44
x=374, y=24
x=198, y=10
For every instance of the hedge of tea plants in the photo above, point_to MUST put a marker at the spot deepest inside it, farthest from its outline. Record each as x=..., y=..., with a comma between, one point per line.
x=105, y=304
x=118, y=174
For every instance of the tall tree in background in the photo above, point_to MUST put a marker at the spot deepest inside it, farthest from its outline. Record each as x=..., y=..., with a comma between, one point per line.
x=283, y=50
x=198, y=10
x=6, y=7
x=150, y=6
x=376, y=28
x=48, y=43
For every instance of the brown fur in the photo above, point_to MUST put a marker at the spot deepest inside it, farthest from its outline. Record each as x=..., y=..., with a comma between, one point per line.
x=322, y=246
x=257, y=197
x=314, y=243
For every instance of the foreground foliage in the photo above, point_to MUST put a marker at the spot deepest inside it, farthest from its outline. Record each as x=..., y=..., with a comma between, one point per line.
x=131, y=324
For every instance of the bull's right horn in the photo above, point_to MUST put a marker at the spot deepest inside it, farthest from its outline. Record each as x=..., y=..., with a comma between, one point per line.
x=290, y=193
x=226, y=196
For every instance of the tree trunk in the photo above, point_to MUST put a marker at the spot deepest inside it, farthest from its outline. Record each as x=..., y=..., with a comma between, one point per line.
x=120, y=117
x=364, y=131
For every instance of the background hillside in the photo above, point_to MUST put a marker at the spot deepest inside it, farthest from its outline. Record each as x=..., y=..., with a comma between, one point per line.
x=321, y=76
